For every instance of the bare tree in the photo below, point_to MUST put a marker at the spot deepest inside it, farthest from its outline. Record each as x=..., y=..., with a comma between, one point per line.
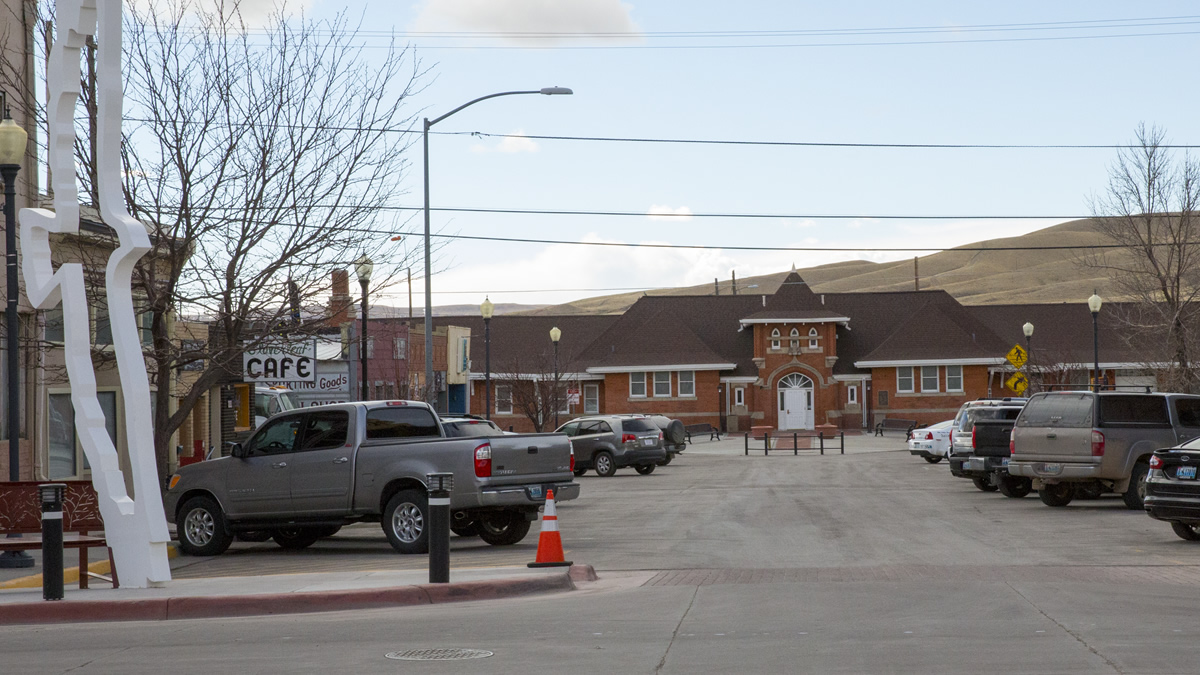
x=1149, y=211
x=531, y=383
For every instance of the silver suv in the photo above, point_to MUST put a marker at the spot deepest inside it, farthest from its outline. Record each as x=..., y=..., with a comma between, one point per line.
x=609, y=442
x=1098, y=441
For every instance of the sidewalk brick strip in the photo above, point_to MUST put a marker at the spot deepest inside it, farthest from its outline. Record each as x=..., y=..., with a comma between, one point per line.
x=1130, y=574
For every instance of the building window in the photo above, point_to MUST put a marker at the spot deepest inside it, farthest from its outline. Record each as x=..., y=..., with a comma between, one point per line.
x=954, y=379
x=637, y=385
x=389, y=390
x=66, y=455
x=591, y=399
x=54, y=325
x=400, y=348
x=775, y=338
x=102, y=325
x=662, y=384
x=929, y=378
x=687, y=383
x=904, y=380
x=813, y=340
x=370, y=347
x=739, y=396
x=379, y=391
x=795, y=342
x=145, y=321
x=852, y=394
x=503, y=399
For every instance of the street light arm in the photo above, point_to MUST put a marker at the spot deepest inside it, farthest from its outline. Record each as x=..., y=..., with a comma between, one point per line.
x=429, y=123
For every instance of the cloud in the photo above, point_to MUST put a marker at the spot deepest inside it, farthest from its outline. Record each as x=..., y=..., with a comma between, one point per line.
x=513, y=143
x=659, y=212
x=531, y=21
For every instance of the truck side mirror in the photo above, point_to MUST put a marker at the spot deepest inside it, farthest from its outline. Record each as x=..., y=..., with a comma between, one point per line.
x=235, y=449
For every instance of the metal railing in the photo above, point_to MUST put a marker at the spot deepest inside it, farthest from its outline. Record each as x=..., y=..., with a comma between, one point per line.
x=796, y=436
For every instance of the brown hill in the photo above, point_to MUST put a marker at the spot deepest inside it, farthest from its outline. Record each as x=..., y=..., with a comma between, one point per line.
x=973, y=277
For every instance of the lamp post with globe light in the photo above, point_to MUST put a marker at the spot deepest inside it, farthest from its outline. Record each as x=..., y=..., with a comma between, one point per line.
x=486, y=310
x=1027, y=329
x=555, y=336
x=13, y=141
x=1094, y=304
x=362, y=268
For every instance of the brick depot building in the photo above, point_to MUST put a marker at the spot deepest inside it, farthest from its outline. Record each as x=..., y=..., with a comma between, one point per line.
x=789, y=361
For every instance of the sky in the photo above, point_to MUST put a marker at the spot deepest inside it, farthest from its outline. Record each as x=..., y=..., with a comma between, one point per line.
x=875, y=72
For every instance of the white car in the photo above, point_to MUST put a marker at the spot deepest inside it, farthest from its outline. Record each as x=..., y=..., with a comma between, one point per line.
x=931, y=442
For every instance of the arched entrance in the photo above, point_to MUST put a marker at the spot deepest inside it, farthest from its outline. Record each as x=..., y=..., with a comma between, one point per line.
x=795, y=402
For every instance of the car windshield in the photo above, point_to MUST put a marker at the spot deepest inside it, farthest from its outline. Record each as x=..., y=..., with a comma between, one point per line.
x=638, y=425
x=288, y=401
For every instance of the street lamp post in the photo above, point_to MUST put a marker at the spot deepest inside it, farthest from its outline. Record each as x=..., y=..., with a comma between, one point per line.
x=555, y=336
x=1028, y=330
x=13, y=141
x=486, y=310
x=548, y=91
x=363, y=267
x=1094, y=303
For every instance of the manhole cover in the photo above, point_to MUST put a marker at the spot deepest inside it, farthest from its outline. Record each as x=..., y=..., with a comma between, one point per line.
x=439, y=654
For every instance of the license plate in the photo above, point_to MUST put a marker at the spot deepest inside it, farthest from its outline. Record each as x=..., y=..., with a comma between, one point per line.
x=1186, y=472
x=976, y=464
x=1004, y=461
x=649, y=442
x=1053, y=469
x=535, y=491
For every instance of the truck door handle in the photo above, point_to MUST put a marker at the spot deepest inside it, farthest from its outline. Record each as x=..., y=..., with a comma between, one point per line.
x=341, y=460
x=279, y=465
x=1051, y=435
x=532, y=450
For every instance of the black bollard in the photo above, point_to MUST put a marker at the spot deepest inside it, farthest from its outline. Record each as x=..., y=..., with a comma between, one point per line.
x=747, y=444
x=440, y=486
x=52, y=540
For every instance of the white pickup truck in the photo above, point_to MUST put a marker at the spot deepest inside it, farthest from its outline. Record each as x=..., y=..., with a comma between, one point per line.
x=307, y=472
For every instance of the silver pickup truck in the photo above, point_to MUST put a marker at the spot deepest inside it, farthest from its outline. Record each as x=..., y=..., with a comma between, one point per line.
x=307, y=472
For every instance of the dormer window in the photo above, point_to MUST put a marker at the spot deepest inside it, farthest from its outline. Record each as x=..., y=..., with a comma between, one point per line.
x=795, y=342
x=813, y=341
x=775, y=338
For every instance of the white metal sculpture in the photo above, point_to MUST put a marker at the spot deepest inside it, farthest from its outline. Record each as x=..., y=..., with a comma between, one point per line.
x=136, y=529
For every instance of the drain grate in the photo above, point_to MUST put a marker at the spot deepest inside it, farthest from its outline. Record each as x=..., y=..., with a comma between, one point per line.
x=439, y=654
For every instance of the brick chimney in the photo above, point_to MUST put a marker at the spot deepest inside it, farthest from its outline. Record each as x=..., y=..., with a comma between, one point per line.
x=340, y=302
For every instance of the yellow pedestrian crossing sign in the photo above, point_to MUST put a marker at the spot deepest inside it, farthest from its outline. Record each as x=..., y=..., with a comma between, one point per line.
x=1017, y=356
x=1018, y=383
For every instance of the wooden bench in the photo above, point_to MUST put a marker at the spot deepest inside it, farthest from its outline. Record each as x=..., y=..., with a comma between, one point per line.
x=706, y=428
x=891, y=424
x=21, y=513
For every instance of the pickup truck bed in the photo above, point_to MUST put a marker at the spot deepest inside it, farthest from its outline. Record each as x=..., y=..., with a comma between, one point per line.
x=987, y=463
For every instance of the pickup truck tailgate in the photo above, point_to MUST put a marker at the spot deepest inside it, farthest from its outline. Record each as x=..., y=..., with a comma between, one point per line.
x=1057, y=426
x=530, y=457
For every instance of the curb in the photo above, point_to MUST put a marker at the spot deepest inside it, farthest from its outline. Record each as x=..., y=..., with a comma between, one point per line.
x=265, y=604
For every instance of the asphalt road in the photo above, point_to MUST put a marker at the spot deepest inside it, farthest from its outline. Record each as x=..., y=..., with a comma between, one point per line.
x=863, y=563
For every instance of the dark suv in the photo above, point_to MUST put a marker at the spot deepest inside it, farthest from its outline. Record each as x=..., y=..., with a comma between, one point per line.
x=608, y=442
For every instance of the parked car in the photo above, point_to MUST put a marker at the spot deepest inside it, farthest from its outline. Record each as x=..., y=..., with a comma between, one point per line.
x=457, y=427
x=932, y=442
x=983, y=460
x=1101, y=441
x=674, y=436
x=609, y=442
x=309, y=471
x=1173, y=490
x=961, y=436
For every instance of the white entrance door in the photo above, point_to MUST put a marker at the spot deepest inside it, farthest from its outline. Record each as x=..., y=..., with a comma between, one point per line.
x=796, y=402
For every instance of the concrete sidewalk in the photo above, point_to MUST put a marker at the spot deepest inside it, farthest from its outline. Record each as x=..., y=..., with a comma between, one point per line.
x=282, y=594
x=781, y=441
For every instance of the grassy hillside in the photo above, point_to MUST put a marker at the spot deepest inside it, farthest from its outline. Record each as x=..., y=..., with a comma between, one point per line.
x=973, y=277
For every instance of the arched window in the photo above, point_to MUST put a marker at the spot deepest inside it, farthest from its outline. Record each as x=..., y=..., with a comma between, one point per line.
x=813, y=341
x=795, y=381
x=795, y=342
x=775, y=338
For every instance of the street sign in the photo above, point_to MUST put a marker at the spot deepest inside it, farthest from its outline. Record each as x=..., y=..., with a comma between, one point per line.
x=1017, y=383
x=1017, y=356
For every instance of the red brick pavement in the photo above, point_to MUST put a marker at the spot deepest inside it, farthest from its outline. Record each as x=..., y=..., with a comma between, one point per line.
x=1163, y=574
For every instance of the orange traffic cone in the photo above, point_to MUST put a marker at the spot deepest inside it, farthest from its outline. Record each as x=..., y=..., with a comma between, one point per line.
x=550, y=551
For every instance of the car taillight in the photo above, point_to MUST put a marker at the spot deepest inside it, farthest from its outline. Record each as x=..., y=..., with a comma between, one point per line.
x=628, y=438
x=572, y=446
x=972, y=438
x=1012, y=442
x=929, y=437
x=1155, y=462
x=660, y=435
x=1097, y=444
x=483, y=461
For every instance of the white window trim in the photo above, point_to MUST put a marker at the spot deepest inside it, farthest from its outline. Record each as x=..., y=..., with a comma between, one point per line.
x=936, y=380
x=739, y=396
x=852, y=395
x=657, y=382
x=593, y=410
x=499, y=399
x=679, y=377
x=632, y=379
x=961, y=382
x=814, y=340
x=775, y=339
x=400, y=348
x=911, y=379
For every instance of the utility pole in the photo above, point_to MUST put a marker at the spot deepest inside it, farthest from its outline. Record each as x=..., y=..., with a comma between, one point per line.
x=916, y=275
x=734, y=273
x=716, y=286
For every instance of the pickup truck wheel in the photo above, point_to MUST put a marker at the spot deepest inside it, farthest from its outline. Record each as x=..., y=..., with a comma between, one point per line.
x=984, y=484
x=1186, y=531
x=404, y=522
x=503, y=528
x=1015, y=487
x=1058, y=494
x=201, y=528
x=605, y=466
x=296, y=538
x=933, y=460
x=645, y=469
x=1135, y=496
